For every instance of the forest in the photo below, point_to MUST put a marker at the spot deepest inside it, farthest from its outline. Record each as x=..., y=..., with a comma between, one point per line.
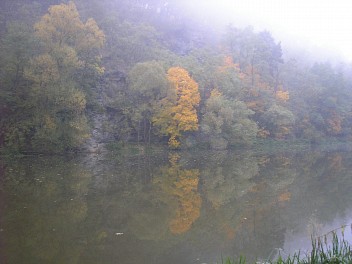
x=88, y=72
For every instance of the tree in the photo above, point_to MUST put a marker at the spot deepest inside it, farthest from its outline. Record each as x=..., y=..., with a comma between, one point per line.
x=227, y=122
x=62, y=76
x=182, y=185
x=147, y=84
x=256, y=54
x=228, y=80
x=279, y=121
x=16, y=48
x=74, y=45
x=177, y=112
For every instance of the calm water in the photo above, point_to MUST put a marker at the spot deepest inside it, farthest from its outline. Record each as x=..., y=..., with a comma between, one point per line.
x=168, y=207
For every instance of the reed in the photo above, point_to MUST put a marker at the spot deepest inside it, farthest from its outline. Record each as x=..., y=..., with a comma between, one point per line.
x=335, y=250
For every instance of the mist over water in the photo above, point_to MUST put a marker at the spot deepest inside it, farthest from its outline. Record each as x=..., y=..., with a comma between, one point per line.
x=135, y=131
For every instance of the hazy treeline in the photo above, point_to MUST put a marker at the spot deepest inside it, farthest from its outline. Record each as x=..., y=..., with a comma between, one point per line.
x=144, y=71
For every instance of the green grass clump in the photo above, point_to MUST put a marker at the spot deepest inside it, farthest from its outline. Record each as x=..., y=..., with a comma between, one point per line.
x=336, y=251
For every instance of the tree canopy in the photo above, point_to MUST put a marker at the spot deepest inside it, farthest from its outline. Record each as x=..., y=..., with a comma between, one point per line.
x=118, y=71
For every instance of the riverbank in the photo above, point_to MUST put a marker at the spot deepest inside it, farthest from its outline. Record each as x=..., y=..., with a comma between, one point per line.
x=260, y=146
x=338, y=250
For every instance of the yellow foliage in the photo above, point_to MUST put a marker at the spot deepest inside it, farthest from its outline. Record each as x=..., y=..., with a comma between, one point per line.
x=77, y=101
x=182, y=185
x=284, y=197
x=44, y=70
x=241, y=75
x=229, y=64
x=253, y=79
x=61, y=25
x=185, y=191
x=173, y=159
x=263, y=133
x=260, y=187
x=285, y=130
x=282, y=96
x=261, y=84
x=228, y=61
x=186, y=88
x=215, y=93
x=335, y=123
x=93, y=37
x=178, y=112
x=173, y=143
x=256, y=105
x=230, y=231
x=63, y=33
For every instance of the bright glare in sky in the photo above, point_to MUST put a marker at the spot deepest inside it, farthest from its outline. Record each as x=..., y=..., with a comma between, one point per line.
x=322, y=23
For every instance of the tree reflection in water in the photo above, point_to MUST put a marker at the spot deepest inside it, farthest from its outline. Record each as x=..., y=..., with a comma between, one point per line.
x=182, y=185
x=169, y=207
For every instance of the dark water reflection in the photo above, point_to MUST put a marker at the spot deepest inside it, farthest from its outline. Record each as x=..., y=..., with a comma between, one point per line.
x=169, y=207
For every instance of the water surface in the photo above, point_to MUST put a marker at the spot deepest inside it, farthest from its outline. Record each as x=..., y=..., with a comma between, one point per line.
x=177, y=207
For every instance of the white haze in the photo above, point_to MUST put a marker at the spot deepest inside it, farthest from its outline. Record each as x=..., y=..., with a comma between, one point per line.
x=321, y=25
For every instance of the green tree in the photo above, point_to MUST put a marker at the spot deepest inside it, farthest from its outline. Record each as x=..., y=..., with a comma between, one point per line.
x=227, y=122
x=61, y=77
x=279, y=121
x=74, y=45
x=16, y=48
x=256, y=53
x=228, y=80
x=147, y=85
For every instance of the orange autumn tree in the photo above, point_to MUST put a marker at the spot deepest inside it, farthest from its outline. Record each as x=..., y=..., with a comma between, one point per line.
x=282, y=96
x=182, y=185
x=177, y=112
x=334, y=122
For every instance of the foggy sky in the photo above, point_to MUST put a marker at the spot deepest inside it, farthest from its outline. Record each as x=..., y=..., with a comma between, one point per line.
x=323, y=24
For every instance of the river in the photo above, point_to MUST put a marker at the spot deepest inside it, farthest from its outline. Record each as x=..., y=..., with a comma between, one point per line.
x=170, y=207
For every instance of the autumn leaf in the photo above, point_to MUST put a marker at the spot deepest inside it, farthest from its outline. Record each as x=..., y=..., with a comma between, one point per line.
x=282, y=96
x=177, y=113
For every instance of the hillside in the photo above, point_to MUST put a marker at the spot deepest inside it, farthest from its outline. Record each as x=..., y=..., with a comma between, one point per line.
x=80, y=75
